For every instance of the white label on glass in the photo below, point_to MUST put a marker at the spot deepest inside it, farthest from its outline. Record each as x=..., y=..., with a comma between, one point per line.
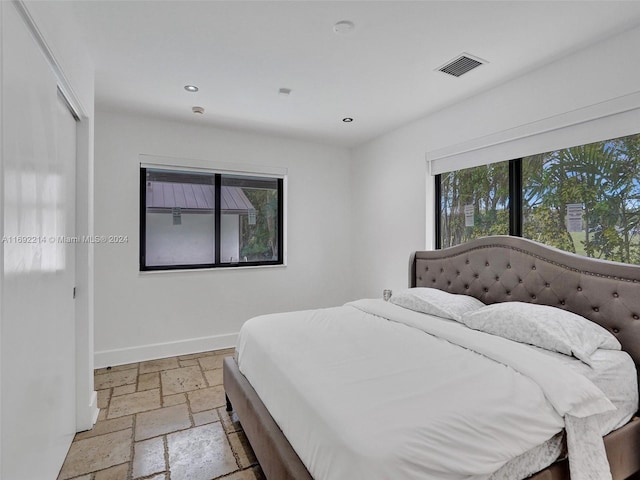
x=468, y=215
x=574, y=217
x=177, y=215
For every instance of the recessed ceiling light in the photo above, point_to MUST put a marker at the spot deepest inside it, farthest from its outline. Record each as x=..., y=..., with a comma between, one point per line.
x=284, y=92
x=191, y=88
x=347, y=119
x=344, y=27
x=199, y=110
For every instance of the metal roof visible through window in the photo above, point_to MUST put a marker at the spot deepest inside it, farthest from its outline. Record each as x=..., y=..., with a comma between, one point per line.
x=195, y=197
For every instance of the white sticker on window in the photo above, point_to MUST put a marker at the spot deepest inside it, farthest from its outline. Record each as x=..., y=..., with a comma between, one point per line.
x=574, y=217
x=177, y=215
x=468, y=215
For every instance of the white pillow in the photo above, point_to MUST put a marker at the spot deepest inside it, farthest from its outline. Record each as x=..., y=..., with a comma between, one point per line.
x=546, y=327
x=436, y=302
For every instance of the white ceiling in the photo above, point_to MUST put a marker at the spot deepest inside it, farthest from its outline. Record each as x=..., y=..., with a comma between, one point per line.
x=382, y=74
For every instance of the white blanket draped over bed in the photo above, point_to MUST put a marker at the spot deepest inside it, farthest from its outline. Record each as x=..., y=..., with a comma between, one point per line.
x=374, y=391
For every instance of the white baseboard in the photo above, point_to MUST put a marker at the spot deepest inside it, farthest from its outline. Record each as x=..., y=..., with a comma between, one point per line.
x=95, y=411
x=121, y=356
x=87, y=414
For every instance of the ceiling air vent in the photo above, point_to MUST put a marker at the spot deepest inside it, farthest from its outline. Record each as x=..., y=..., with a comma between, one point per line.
x=461, y=65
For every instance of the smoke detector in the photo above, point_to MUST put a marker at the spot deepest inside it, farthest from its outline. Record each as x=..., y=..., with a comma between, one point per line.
x=462, y=64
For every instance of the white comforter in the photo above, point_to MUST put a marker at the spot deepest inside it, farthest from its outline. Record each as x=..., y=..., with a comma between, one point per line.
x=362, y=397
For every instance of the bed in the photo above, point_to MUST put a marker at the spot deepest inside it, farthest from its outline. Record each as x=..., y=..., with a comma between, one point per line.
x=494, y=270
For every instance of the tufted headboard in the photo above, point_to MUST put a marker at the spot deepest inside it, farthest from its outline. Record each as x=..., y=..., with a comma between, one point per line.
x=502, y=269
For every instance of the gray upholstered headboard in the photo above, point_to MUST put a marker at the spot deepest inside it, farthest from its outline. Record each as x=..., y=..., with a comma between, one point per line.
x=502, y=269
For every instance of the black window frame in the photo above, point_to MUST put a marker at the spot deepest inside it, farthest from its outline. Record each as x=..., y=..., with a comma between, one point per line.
x=614, y=247
x=515, y=202
x=217, y=221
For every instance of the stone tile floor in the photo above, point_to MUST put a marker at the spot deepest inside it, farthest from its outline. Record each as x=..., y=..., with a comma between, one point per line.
x=163, y=420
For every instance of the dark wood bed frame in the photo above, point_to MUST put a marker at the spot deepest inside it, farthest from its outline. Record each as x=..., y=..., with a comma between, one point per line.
x=493, y=269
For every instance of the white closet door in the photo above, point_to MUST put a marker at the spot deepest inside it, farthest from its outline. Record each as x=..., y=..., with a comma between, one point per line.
x=38, y=326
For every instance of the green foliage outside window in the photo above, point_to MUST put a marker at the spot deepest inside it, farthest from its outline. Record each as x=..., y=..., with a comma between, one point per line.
x=600, y=181
x=486, y=188
x=259, y=238
x=604, y=178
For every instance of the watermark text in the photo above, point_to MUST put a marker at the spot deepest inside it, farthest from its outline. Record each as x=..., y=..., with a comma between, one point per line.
x=64, y=239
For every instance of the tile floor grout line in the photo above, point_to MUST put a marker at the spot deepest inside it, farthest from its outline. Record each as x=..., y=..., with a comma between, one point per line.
x=138, y=381
x=167, y=466
x=209, y=414
x=134, y=421
x=206, y=381
x=235, y=454
x=161, y=387
x=190, y=412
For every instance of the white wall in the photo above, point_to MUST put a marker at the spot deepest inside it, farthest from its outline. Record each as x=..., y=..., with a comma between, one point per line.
x=392, y=193
x=230, y=238
x=191, y=241
x=151, y=315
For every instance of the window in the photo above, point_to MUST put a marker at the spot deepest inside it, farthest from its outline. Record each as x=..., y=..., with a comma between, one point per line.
x=583, y=199
x=586, y=199
x=199, y=219
x=474, y=203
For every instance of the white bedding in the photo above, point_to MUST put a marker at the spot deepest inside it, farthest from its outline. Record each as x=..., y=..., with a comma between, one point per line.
x=362, y=397
x=608, y=367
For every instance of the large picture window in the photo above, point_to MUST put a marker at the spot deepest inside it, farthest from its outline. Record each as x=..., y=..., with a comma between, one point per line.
x=584, y=199
x=474, y=203
x=205, y=219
